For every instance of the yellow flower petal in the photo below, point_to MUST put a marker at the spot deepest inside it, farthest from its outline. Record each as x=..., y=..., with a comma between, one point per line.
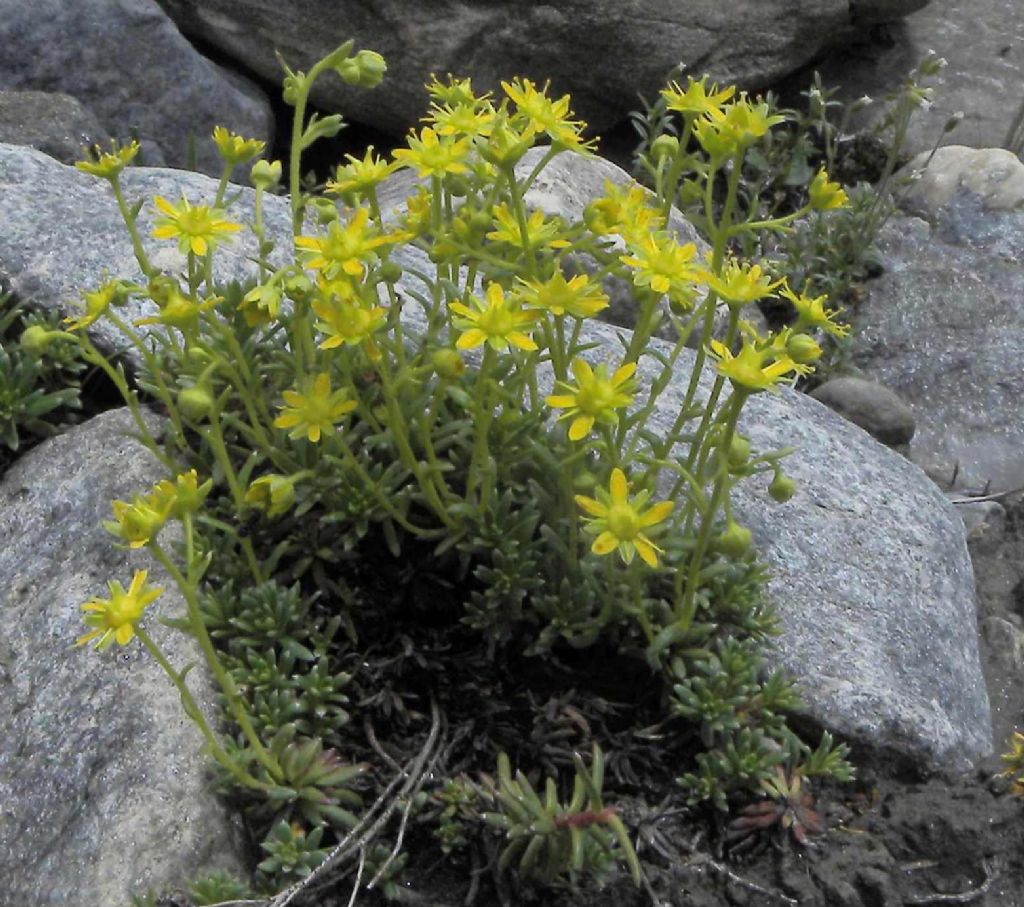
x=646, y=551
x=580, y=427
x=474, y=337
x=619, y=486
x=605, y=543
x=657, y=513
x=594, y=508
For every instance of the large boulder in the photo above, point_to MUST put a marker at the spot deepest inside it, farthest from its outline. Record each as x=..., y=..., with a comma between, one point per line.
x=870, y=569
x=982, y=42
x=603, y=53
x=943, y=326
x=128, y=63
x=52, y=122
x=104, y=792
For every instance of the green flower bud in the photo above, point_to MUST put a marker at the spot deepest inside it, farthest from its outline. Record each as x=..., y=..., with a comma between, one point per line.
x=297, y=286
x=803, y=349
x=36, y=339
x=390, y=272
x=739, y=451
x=664, y=147
x=365, y=70
x=265, y=174
x=195, y=403
x=735, y=541
x=457, y=186
x=326, y=211
x=448, y=364
x=584, y=481
x=782, y=487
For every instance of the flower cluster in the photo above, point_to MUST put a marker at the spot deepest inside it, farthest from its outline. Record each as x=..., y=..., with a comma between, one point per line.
x=331, y=423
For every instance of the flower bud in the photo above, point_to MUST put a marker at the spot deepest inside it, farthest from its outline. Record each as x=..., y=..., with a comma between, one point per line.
x=457, y=186
x=390, y=272
x=36, y=339
x=326, y=211
x=735, y=540
x=448, y=364
x=365, y=70
x=739, y=451
x=782, y=487
x=273, y=493
x=265, y=174
x=803, y=349
x=664, y=147
x=195, y=403
x=584, y=481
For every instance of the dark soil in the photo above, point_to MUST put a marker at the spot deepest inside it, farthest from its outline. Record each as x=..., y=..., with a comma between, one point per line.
x=887, y=840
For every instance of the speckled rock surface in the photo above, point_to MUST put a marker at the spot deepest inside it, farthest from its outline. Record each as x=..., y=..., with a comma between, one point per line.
x=55, y=123
x=128, y=63
x=983, y=43
x=870, y=569
x=103, y=789
x=603, y=53
x=943, y=326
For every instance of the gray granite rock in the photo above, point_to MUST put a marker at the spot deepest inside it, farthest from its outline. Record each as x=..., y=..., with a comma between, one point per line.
x=942, y=326
x=128, y=63
x=55, y=123
x=875, y=408
x=869, y=564
x=103, y=789
x=603, y=53
x=994, y=175
x=983, y=43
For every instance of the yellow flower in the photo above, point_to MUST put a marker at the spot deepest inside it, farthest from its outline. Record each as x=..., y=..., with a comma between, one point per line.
x=138, y=522
x=96, y=303
x=623, y=210
x=539, y=230
x=417, y=212
x=235, y=149
x=731, y=129
x=750, y=369
x=456, y=93
x=619, y=523
x=660, y=263
x=506, y=143
x=198, y=228
x=543, y=114
x=182, y=496
x=346, y=248
x=577, y=296
x=696, y=99
x=357, y=177
x=1014, y=760
x=825, y=195
x=811, y=313
x=262, y=303
x=432, y=156
x=108, y=164
x=314, y=413
x=346, y=321
x=595, y=396
x=176, y=309
x=113, y=619
x=273, y=493
x=467, y=120
x=740, y=283
x=498, y=322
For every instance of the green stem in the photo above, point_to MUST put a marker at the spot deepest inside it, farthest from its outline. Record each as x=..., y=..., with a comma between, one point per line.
x=686, y=597
x=192, y=710
x=198, y=628
x=133, y=231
